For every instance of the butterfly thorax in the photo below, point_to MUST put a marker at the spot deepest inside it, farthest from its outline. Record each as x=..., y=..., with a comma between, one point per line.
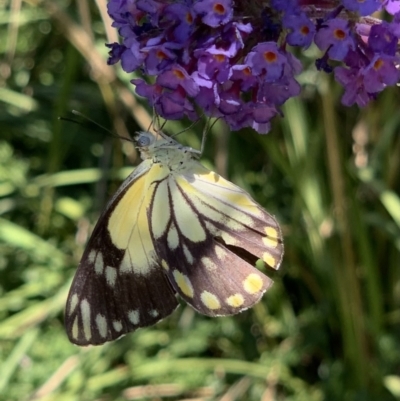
x=165, y=151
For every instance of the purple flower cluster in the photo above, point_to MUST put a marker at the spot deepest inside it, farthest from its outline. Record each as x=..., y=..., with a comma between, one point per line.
x=231, y=58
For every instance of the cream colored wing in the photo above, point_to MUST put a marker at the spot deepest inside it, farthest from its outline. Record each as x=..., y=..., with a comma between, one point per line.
x=208, y=239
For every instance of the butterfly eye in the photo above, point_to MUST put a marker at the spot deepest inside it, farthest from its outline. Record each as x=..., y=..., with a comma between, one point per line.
x=144, y=139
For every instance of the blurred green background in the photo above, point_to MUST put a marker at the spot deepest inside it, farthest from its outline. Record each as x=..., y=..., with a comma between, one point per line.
x=329, y=329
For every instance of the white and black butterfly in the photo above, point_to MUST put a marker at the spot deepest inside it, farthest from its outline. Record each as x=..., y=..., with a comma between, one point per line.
x=172, y=227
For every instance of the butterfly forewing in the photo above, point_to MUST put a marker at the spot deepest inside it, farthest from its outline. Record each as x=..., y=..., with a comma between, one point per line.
x=119, y=285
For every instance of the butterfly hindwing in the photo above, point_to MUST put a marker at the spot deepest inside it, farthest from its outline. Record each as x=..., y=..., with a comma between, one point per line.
x=209, y=221
x=119, y=285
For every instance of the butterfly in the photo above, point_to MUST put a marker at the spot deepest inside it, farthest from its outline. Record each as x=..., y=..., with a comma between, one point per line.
x=173, y=227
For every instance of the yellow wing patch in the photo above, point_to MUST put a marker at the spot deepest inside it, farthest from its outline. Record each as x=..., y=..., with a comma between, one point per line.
x=210, y=300
x=183, y=283
x=253, y=283
x=129, y=230
x=236, y=300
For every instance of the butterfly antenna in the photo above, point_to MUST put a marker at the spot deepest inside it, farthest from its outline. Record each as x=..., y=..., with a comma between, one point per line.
x=163, y=125
x=188, y=128
x=206, y=130
x=156, y=123
x=78, y=113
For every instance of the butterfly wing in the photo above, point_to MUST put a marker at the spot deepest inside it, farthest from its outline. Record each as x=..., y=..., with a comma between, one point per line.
x=210, y=238
x=119, y=285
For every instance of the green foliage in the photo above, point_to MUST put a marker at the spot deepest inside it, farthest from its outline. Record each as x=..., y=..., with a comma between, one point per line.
x=328, y=329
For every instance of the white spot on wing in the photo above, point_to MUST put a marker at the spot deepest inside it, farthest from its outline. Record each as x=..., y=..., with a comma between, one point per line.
x=188, y=255
x=117, y=325
x=73, y=303
x=208, y=263
x=99, y=263
x=126, y=264
x=133, y=316
x=214, y=231
x=75, y=329
x=173, y=238
x=101, y=323
x=129, y=264
x=92, y=256
x=85, y=312
x=221, y=253
x=228, y=239
x=153, y=313
x=111, y=275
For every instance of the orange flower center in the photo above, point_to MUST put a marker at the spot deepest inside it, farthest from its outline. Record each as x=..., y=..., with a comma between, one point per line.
x=340, y=34
x=161, y=55
x=270, y=57
x=189, y=18
x=219, y=9
x=179, y=74
x=305, y=30
x=378, y=64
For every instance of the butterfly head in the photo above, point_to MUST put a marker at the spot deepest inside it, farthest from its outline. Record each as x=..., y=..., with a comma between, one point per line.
x=161, y=147
x=145, y=142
